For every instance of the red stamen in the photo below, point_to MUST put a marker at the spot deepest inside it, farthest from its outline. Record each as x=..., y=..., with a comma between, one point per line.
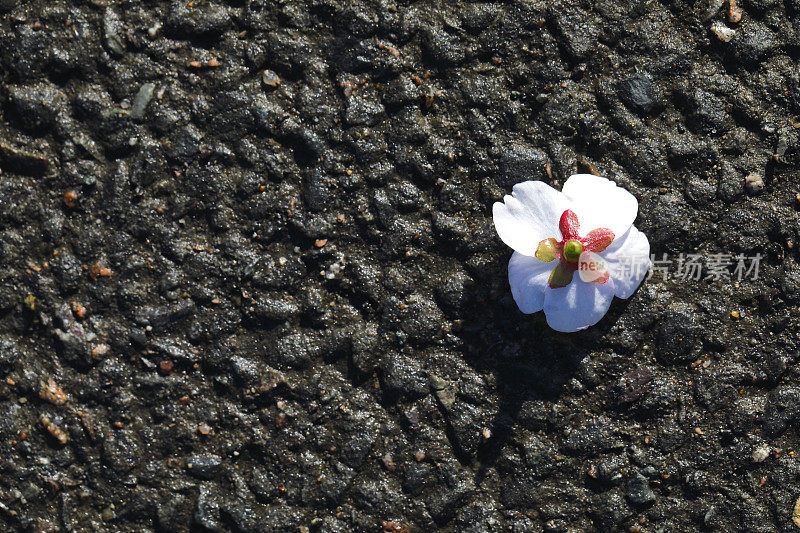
x=569, y=225
x=597, y=240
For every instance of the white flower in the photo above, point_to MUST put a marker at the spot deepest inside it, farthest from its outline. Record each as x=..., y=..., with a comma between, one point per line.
x=574, y=250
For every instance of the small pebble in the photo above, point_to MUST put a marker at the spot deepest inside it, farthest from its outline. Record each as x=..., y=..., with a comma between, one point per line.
x=388, y=461
x=71, y=199
x=723, y=33
x=54, y=430
x=796, y=513
x=142, y=99
x=754, y=183
x=152, y=31
x=100, y=270
x=51, y=392
x=760, y=454
x=100, y=350
x=79, y=310
x=638, y=490
x=734, y=12
x=270, y=79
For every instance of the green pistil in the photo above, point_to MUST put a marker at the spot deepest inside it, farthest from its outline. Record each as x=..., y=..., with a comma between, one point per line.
x=572, y=250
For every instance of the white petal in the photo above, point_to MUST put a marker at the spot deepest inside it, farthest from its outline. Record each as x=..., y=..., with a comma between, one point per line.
x=599, y=203
x=578, y=305
x=528, y=279
x=628, y=260
x=529, y=215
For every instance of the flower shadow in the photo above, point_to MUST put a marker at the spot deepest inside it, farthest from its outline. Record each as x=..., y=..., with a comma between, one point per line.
x=532, y=364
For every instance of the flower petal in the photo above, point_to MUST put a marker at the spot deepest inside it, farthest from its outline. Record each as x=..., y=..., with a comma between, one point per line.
x=599, y=203
x=528, y=279
x=529, y=215
x=628, y=260
x=578, y=305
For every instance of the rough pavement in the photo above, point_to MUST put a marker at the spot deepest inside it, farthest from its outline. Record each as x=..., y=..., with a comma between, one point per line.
x=249, y=280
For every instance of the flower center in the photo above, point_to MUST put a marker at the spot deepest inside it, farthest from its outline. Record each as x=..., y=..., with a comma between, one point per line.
x=572, y=250
x=569, y=249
